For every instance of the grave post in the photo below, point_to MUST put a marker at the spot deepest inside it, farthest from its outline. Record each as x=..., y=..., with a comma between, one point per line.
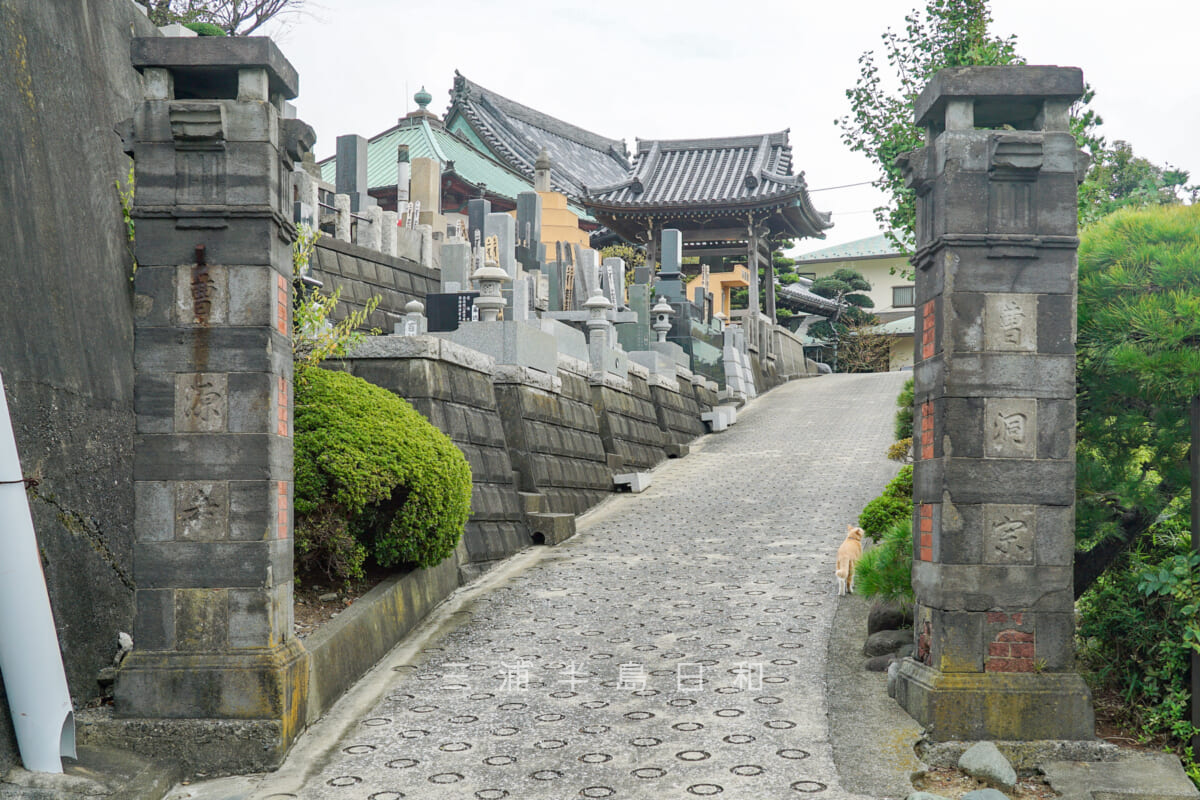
x=215, y=663
x=994, y=478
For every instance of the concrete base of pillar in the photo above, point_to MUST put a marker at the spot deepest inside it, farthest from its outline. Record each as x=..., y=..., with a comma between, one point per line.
x=973, y=706
x=263, y=693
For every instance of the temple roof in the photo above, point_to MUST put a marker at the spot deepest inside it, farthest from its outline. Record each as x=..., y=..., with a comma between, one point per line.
x=720, y=175
x=427, y=138
x=516, y=133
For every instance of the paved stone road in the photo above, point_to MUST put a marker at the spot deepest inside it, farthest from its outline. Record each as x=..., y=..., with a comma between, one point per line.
x=674, y=648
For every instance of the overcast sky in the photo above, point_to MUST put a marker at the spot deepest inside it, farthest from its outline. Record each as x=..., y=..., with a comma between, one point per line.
x=692, y=68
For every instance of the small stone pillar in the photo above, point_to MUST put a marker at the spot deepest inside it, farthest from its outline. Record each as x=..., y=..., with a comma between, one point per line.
x=414, y=323
x=662, y=319
x=599, y=333
x=994, y=478
x=215, y=664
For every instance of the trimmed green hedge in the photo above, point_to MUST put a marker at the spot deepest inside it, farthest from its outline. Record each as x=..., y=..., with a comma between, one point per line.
x=372, y=475
x=892, y=506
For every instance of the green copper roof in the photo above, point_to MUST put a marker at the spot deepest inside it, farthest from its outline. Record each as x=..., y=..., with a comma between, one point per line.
x=905, y=326
x=871, y=247
x=426, y=140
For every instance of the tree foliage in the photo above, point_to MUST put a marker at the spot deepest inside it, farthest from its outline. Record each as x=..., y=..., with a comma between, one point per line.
x=314, y=337
x=845, y=287
x=1138, y=368
x=1119, y=179
x=948, y=33
x=234, y=17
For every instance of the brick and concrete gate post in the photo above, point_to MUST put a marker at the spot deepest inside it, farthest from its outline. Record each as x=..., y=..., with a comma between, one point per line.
x=994, y=478
x=213, y=459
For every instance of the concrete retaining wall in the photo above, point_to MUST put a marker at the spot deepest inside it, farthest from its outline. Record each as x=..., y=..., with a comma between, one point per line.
x=66, y=311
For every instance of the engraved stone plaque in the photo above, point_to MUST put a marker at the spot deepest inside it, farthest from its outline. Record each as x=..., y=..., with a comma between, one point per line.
x=1010, y=428
x=1008, y=534
x=1010, y=323
x=202, y=510
x=201, y=402
x=201, y=295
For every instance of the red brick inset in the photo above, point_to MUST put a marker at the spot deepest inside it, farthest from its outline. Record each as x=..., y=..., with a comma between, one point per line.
x=281, y=504
x=283, y=299
x=925, y=545
x=928, y=329
x=926, y=442
x=1013, y=650
x=281, y=403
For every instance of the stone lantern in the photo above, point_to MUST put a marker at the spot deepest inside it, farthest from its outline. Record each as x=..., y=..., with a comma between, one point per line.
x=662, y=319
x=489, y=277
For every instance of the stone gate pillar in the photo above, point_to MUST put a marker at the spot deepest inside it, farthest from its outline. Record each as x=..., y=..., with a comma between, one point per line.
x=994, y=478
x=213, y=455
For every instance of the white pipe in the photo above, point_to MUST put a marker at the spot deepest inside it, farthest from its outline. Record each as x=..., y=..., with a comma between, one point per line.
x=30, y=661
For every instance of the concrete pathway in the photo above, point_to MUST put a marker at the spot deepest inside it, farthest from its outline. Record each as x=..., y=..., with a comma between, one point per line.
x=674, y=648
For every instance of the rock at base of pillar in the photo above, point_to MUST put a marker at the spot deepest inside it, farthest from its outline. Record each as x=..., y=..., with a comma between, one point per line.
x=976, y=706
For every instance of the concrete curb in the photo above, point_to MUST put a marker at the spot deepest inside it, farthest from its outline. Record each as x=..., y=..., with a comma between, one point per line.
x=872, y=736
x=345, y=648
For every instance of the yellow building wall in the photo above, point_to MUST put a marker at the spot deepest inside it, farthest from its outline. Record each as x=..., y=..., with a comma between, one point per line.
x=559, y=224
x=902, y=353
x=721, y=285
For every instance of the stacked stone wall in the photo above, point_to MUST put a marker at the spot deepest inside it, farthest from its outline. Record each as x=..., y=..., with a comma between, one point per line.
x=452, y=388
x=629, y=422
x=675, y=405
x=553, y=437
x=706, y=398
x=362, y=274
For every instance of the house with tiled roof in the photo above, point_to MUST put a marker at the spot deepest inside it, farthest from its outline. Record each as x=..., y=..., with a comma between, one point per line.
x=886, y=268
x=516, y=134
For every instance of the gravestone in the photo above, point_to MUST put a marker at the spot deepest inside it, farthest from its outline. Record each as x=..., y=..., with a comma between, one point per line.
x=215, y=664
x=529, y=231
x=351, y=174
x=670, y=284
x=447, y=310
x=477, y=213
x=994, y=478
x=613, y=279
x=456, y=266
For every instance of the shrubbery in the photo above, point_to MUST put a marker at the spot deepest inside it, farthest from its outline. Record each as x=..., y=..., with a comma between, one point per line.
x=372, y=477
x=893, y=506
x=885, y=571
x=1139, y=624
x=904, y=412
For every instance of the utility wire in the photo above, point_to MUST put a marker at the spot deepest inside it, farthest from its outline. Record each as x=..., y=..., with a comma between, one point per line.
x=843, y=186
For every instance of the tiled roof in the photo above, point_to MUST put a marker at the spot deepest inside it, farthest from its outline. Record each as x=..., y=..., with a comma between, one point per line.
x=808, y=301
x=702, y=171
x=516, y=134
x=431, y=140
x=870, y=247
